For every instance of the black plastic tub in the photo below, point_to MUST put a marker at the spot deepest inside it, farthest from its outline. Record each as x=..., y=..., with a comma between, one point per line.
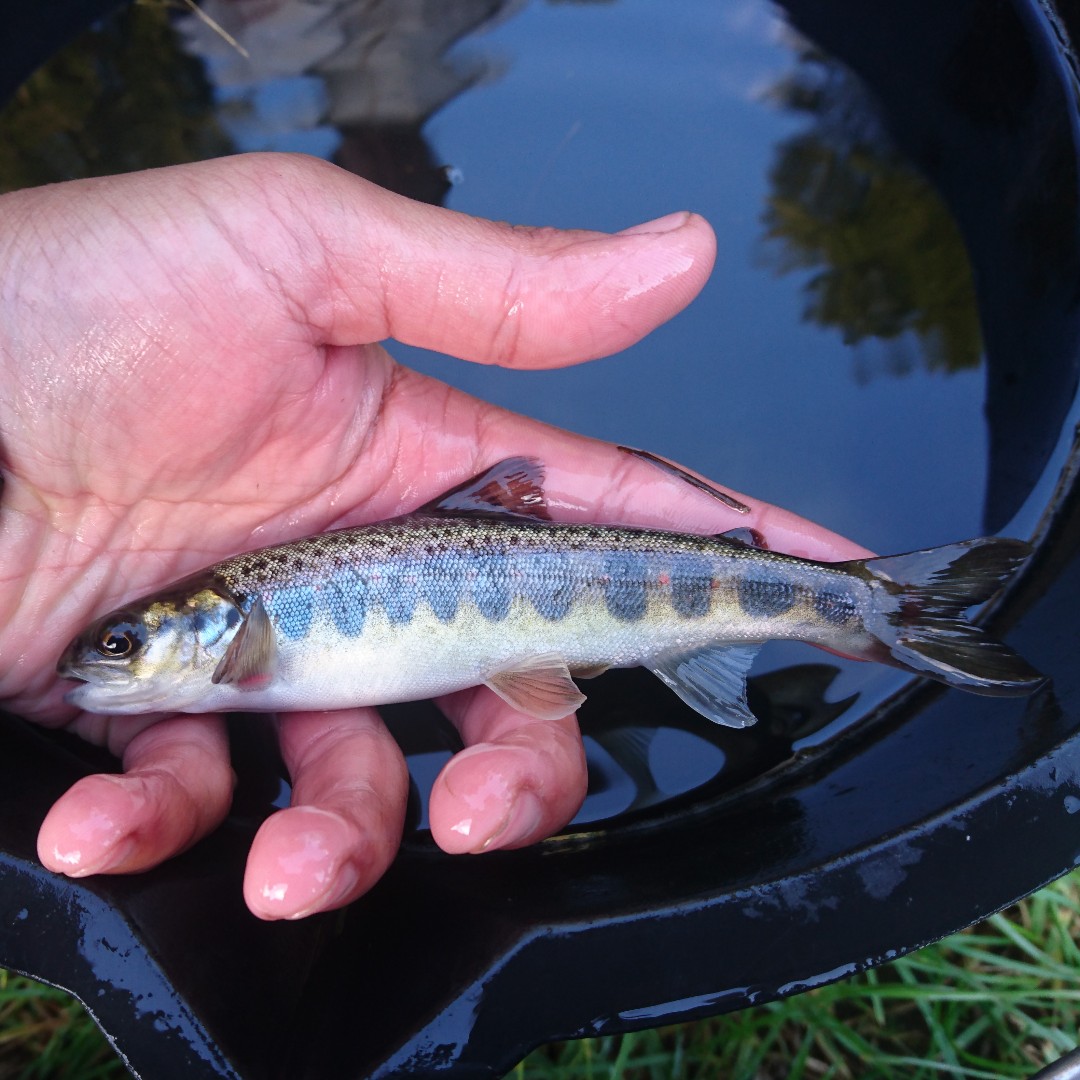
x=868, y=813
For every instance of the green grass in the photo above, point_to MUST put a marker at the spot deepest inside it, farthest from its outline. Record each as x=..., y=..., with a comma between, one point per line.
x=46, y=1034
x=997, y=1001
x=1000, y=1000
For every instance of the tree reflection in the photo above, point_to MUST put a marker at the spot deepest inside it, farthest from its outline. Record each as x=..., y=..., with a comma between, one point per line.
x=885, y=257
x=122, y=96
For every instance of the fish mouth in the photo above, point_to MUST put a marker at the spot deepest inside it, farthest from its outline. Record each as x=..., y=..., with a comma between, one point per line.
x=99, y=672
x=70, y=669
x=69, y=666
x=66, y=666
x=115, y=693
x=67, y=669
x=102, y=697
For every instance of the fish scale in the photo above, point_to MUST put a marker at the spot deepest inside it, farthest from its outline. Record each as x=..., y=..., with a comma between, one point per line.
x=480, y=587
x=491, y=563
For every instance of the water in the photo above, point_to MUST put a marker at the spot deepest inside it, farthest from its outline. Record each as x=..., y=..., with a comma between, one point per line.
x=605, y=115
x=833, y=364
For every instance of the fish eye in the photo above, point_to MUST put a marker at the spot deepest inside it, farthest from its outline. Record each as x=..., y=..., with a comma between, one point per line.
x=120, y=639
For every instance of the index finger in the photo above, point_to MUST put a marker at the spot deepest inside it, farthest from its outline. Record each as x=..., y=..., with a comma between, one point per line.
x=586, y=480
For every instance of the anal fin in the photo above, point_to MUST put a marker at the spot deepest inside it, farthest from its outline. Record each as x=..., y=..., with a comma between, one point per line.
x=540, y=686
x=711, y=680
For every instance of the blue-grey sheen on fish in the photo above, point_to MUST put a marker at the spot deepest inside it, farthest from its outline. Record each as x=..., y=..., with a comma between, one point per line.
x=481, y=588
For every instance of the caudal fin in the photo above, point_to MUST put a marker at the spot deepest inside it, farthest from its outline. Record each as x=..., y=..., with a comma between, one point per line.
x=921, y=622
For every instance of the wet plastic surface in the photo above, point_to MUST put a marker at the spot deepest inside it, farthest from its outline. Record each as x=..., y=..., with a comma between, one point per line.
x=789, y=869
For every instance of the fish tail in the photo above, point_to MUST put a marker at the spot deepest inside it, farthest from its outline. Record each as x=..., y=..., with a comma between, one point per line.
x=919, y=620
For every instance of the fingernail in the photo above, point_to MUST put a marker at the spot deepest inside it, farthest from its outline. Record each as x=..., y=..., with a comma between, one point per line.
x=108, y=860
x=667, y=223
x=317, y=857
x=519, y=825
x=345, y=879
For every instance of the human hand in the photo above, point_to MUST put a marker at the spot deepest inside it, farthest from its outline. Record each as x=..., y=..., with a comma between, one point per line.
x=189, y=370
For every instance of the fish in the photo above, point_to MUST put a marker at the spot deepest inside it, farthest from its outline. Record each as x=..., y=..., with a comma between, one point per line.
x=481, y=587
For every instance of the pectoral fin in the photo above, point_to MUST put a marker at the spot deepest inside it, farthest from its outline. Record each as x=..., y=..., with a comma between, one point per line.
x=711, y=681
x=540, y=686
x=250, y=659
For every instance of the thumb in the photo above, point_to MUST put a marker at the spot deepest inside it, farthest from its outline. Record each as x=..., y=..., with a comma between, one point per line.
x=480, y=290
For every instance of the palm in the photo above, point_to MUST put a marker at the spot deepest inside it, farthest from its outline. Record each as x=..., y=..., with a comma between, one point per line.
x=189, y=408
x=189, y=371
x=190, y=379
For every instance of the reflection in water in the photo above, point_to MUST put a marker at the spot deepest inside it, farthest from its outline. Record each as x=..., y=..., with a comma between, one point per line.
x=646, y=752
x=885, y=256
x=349, y=80
x=120, y=97
x=794, y=701
x=981, y=105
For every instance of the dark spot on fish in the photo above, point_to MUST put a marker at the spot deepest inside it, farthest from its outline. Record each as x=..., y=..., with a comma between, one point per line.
x=491, y=585
x=232, y=617
x=291, y=610
x=761, y=599
x=443, y=596
x=691, y=586
x=347, y=602
x=835, y=607
x=399, y=593
x=547, y=581
x=624, y=590
x=442, y=590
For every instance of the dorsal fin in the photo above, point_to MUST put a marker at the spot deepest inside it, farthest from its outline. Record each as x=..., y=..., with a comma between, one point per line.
x=513, y=486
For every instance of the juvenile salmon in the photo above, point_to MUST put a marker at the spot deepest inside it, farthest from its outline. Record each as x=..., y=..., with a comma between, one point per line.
x=479, y=587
